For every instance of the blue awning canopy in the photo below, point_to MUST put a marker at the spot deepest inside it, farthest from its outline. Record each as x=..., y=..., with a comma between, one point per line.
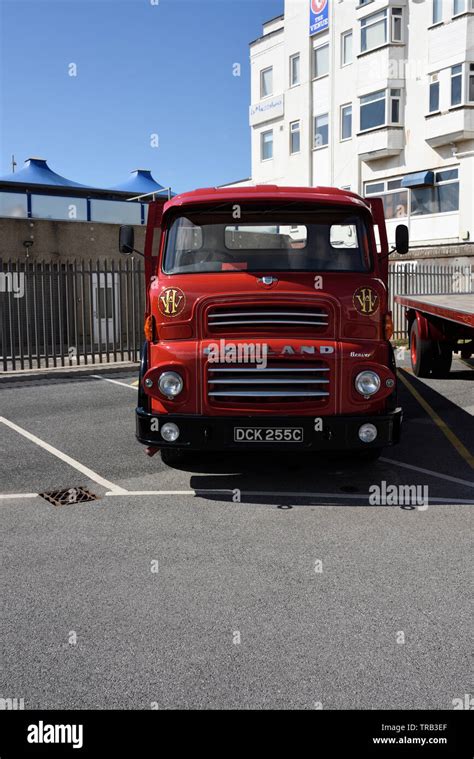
x=419, y=179
x=139, y=183
x=38, y=172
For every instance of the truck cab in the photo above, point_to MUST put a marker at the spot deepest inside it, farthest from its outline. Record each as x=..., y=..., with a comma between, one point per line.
x=267, y=323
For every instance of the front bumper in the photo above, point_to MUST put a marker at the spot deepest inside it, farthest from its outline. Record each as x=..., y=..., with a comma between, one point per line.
x=200, y=433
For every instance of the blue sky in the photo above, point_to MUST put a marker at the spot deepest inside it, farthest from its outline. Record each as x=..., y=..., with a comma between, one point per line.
x=142, y=69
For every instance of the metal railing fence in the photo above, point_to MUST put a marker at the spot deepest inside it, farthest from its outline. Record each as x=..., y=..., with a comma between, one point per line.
x=69, y=313
x=424, y=279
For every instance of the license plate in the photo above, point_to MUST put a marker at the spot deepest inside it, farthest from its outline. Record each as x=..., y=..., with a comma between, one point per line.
x=268, y=434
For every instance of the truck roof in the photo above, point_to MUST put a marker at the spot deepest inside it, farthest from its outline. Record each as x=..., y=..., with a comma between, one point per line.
x=331, y=195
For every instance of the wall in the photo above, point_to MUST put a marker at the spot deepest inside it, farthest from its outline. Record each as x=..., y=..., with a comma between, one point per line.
x=62, y=239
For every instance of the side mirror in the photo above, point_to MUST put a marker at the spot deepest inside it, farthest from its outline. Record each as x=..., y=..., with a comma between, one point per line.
x=126, y=239
x=402, y=239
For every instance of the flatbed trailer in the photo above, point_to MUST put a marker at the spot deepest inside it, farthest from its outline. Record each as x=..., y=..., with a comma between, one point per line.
x=438, y=325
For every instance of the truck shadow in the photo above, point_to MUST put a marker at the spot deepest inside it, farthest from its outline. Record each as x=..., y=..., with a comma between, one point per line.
x=309, y=478
x=459, y=374
x=271, y=464
x=459, y=420
x=271, y=479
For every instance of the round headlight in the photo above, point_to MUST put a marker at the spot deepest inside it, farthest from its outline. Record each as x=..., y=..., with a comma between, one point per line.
x=170, y=432
x=367, y=383
x=170, y=384
x=367, y=433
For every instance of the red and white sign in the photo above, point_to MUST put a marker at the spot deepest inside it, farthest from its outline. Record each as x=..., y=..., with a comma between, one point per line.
x=317, y=6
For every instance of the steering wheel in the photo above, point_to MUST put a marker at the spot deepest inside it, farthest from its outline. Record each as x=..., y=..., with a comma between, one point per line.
x=191, y=257
x=216, y=256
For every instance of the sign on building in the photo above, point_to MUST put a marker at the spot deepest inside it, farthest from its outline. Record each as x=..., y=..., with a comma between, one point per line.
x=271, y=108
x=318, y=16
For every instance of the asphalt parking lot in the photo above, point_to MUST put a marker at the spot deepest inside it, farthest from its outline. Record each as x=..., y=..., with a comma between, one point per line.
x=166, y=592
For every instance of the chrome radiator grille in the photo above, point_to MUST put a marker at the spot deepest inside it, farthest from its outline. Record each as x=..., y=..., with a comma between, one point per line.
x=279, y=381
x=268, y=317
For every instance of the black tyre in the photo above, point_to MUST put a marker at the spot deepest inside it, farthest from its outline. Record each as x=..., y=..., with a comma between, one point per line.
x=421, y=352
x=442, y=359
x=143, y=400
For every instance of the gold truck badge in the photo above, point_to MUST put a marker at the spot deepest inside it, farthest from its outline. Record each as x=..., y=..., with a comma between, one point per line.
x=365, y=300
x=172, y=301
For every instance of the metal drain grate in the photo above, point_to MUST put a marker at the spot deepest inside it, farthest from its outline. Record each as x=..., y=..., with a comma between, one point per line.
x=68, y=496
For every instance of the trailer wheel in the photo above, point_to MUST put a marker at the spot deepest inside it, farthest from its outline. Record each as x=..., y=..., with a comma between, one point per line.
x=442, y=359
x=421, y=352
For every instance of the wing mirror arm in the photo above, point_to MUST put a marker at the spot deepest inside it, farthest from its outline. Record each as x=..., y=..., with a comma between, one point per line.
x=127, y=241
x=402, y=242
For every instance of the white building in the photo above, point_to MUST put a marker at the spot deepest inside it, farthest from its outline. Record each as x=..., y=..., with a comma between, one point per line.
x=378, y=97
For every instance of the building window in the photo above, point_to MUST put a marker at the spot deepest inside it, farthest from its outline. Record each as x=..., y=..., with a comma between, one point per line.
x=295, y=141
x=346, y=121
x=374, y=29
x=14, y=204
x=397, y=25
x=442, y=197
x=395, y=200
x=115, y=211
x=462, y=84
x=266, y=82
x=346, y=48
x=434, y=94
x=381, y=108
x=375, y=188
x=66, y=208
x=470, y=84
x=372, y=110
x=266, y=145
x=456, y=85
x=294, y=70
x=321, y=61
x=437, y=14
x=395, y=96
x=321, y=130
x=462, y=6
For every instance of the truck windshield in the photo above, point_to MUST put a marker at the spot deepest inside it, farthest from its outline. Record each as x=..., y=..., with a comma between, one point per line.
x=311, y=241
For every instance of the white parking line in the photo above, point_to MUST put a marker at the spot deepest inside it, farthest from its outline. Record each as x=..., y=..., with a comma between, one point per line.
x=114, y=382
x=256, y=493
x=115, y=489
x=447, y=477
x=280, y=494
x=162, y=492
x=18, y=495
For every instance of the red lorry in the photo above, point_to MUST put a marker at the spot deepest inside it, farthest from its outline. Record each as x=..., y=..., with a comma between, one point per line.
x=438, y=325
x=267, y=323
